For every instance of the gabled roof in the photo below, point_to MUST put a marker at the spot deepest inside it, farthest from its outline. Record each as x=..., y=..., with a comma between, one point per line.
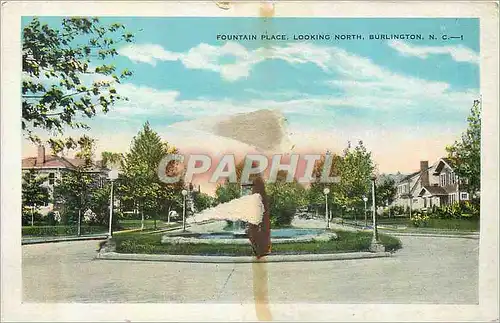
x=52, y=161
x=440, y=165
x=407, y=177
x=412, y=175
x=432, y=190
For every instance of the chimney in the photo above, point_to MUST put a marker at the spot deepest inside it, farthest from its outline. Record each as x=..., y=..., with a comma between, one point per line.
x=424, y=172
x=40, y=158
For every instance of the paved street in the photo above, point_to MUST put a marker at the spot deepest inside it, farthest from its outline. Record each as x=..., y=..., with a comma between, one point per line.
x=426, y=270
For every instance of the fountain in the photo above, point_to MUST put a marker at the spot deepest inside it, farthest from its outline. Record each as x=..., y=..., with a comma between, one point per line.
x=247, y=211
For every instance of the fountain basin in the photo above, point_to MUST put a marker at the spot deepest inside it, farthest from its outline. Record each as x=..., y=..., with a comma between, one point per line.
x=277, y=236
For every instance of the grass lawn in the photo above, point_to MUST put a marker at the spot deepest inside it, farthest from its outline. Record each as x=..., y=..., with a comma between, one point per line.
x=148, y=224
x=439, y=224
x=346, y=242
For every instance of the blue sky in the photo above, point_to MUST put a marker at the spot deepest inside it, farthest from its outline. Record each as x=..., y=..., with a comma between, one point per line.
x=423, y=88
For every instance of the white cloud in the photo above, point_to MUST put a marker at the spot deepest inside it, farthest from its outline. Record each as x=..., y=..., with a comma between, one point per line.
x=209, y=57
x=147, y=53
x=458, y=53
x=358, y=82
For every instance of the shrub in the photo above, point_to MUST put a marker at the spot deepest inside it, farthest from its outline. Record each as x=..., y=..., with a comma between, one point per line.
x=347, y=241
x=464, y=209
x=283, y=203
x=61, y=230
x=52, y=218
x=27, y=216
x=397, y=210
x=420, y=220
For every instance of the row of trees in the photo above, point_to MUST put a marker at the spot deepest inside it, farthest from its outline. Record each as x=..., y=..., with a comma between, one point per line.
x=137, y=187
x=68, y=76
x=354, y=166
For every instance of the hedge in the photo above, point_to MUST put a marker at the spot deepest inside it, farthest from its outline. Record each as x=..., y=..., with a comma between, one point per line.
x=61, y=230
x=347, y=242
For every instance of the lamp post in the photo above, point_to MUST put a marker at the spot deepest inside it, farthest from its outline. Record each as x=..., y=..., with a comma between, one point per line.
x=112, y=175
x=33, y=208
x=184, y=193
x=375, y=246
x=365, y=199
x=326, y=191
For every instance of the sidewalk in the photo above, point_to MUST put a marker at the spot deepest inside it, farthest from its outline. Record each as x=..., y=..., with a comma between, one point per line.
x=36, y=240
x=439, y=234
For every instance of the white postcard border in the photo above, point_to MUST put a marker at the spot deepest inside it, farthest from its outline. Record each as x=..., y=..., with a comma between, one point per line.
x=14, y=310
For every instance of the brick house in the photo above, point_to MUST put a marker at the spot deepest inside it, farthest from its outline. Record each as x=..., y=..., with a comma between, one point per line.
x=53, y=167
x=434, y=185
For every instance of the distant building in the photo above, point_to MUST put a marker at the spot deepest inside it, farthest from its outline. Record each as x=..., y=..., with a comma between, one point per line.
x=434, y=185
x=53, y=167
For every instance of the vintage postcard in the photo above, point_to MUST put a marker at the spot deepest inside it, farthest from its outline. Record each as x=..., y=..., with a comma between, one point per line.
x=257, y=161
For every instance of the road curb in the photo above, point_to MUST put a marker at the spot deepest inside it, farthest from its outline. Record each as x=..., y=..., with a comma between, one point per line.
x=432, y=235
x=240, y=259
x=39, y=241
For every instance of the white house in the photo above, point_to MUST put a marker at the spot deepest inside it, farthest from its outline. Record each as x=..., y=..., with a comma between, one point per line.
x=53, y=167
x=434, y=185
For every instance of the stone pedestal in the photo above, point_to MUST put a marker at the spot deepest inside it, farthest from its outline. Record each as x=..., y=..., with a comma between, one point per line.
x=107, y=246
x=376, y=246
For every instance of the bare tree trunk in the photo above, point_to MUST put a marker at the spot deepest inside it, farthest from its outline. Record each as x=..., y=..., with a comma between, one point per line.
x=142, y=220
x=411, y=200
x=168, y=214
x=79, y=221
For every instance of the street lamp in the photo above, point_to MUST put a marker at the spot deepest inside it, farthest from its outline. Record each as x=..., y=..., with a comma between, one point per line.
x=184, y=193
x=112, y=175
x=365, y=199
x=375, y=246
x=326, y=191
x=33, y=208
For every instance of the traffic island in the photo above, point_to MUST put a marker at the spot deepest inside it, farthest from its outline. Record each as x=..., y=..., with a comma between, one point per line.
x=150, y=247
x=240, y=259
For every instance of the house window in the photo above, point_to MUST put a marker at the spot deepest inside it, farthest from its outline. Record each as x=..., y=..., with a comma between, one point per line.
x=453, y=178
x=442, y=179
x=464, y=196
x=52, y=178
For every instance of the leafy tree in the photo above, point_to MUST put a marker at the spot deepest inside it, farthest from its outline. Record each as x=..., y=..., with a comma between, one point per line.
x=354, y=167
x=226, y=192
x=33, y=193
x=284, y=199
x=386, y=191
x=356, y=170
x=315, y=195
x=203, y=201
x=86, y=150
x=66, y=74
x=465, y=154
x=73, y=193
x=99, y=202
x=111, y=159
x=141, y=182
